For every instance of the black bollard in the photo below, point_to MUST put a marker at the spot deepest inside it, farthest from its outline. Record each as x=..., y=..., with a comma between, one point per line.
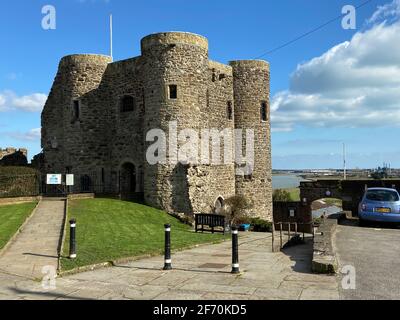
x=72, y=239
x=235, y=251
x=168, y=261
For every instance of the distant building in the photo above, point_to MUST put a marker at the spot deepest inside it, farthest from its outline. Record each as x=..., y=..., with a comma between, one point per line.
x=13, y=157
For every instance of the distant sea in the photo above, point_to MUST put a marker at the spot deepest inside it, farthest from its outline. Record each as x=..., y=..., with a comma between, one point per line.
x=286, y=181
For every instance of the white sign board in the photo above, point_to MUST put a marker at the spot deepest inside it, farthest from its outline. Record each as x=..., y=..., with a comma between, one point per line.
x=54, y=179
x=69, y=179
x=292, y=213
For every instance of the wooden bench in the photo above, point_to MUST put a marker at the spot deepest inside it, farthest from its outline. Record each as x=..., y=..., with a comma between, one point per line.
x=210, y=220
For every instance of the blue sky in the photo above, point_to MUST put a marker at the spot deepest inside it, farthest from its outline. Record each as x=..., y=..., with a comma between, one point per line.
x=331, y=87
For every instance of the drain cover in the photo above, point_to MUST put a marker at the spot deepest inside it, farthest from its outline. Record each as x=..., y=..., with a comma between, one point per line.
x=213, y=266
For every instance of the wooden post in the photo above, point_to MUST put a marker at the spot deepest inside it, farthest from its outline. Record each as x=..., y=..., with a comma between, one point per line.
x=280, y=227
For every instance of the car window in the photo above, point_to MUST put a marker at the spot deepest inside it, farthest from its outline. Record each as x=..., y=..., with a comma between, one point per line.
x=382, y=195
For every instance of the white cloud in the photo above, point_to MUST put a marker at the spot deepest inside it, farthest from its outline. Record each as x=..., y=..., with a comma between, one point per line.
x=31, y=135
x=31, y=103
x=354, y=84
x=388, y=12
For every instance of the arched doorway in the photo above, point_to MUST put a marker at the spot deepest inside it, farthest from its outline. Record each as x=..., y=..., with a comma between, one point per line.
x=219, y=205
x=128, y=181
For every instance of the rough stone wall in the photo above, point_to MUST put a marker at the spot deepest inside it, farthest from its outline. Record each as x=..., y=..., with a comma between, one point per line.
x=123, y=78
x=252, y=88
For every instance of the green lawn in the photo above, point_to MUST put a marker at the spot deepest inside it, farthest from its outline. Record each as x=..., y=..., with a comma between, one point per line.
x=11, y=219
x=111, y=229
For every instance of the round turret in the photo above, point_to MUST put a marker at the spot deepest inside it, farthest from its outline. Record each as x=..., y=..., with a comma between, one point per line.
x=77, y=76
x=175, y=89
x=252, y=104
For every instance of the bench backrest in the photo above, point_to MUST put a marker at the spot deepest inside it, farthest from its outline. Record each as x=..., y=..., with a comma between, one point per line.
x=212, y=220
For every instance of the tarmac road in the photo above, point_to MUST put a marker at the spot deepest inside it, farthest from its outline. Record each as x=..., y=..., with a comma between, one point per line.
x=375, y=254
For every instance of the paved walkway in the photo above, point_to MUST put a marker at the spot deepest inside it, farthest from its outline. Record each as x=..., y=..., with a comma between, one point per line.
x=200, y=273
x=36, y=246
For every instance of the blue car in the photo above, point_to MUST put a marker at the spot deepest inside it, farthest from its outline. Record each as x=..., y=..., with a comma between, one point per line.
x=380, y=205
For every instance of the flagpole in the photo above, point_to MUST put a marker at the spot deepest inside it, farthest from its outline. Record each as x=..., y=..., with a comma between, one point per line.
x=111, y=37
x=344, y=162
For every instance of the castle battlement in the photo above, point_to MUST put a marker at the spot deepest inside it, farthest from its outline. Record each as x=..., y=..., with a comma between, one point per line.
x=99, y=112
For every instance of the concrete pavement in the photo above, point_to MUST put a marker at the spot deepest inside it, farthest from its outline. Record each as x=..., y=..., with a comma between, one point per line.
x=199, y=273
x=374, y=252
x=36, y=246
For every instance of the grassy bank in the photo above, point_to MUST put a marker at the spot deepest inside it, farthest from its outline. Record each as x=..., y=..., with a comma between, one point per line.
x=294, y=194
x=11, y=219
x=111, y=229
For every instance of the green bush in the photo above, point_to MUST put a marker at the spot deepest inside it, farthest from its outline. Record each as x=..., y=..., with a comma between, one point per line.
x=236, y=209
x=18, y=182
x=281, y=195
x=17, y=171
x=260, y=225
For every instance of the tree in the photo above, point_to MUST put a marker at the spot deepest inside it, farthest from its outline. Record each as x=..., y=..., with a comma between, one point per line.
x=281, y=195
x=236, y=208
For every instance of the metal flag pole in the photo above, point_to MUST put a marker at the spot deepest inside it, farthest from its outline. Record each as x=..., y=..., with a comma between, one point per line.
x=344, y=162
x=111, y=37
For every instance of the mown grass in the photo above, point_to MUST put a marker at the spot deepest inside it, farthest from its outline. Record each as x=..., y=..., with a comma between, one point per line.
x=11, y=219
x=111, y=229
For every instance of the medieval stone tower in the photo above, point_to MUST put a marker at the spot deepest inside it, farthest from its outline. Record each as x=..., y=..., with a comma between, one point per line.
x=100, y=115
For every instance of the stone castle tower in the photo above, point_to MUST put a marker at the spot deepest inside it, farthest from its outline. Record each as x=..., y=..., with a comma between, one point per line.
x=99, y=113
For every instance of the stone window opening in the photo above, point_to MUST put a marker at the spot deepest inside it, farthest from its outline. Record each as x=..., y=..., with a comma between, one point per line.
x=264, y=112
x=76, y=110
x=127, y=103
x=173, y=91
x=214, y=75
x=229, y=111
x=222, y=76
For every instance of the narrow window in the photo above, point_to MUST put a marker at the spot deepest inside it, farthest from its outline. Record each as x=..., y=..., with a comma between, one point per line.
x=229, y=111
x=102, y=175
x=264, y=112
x=76, y=110
x=173, y=91
x=127, y=104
